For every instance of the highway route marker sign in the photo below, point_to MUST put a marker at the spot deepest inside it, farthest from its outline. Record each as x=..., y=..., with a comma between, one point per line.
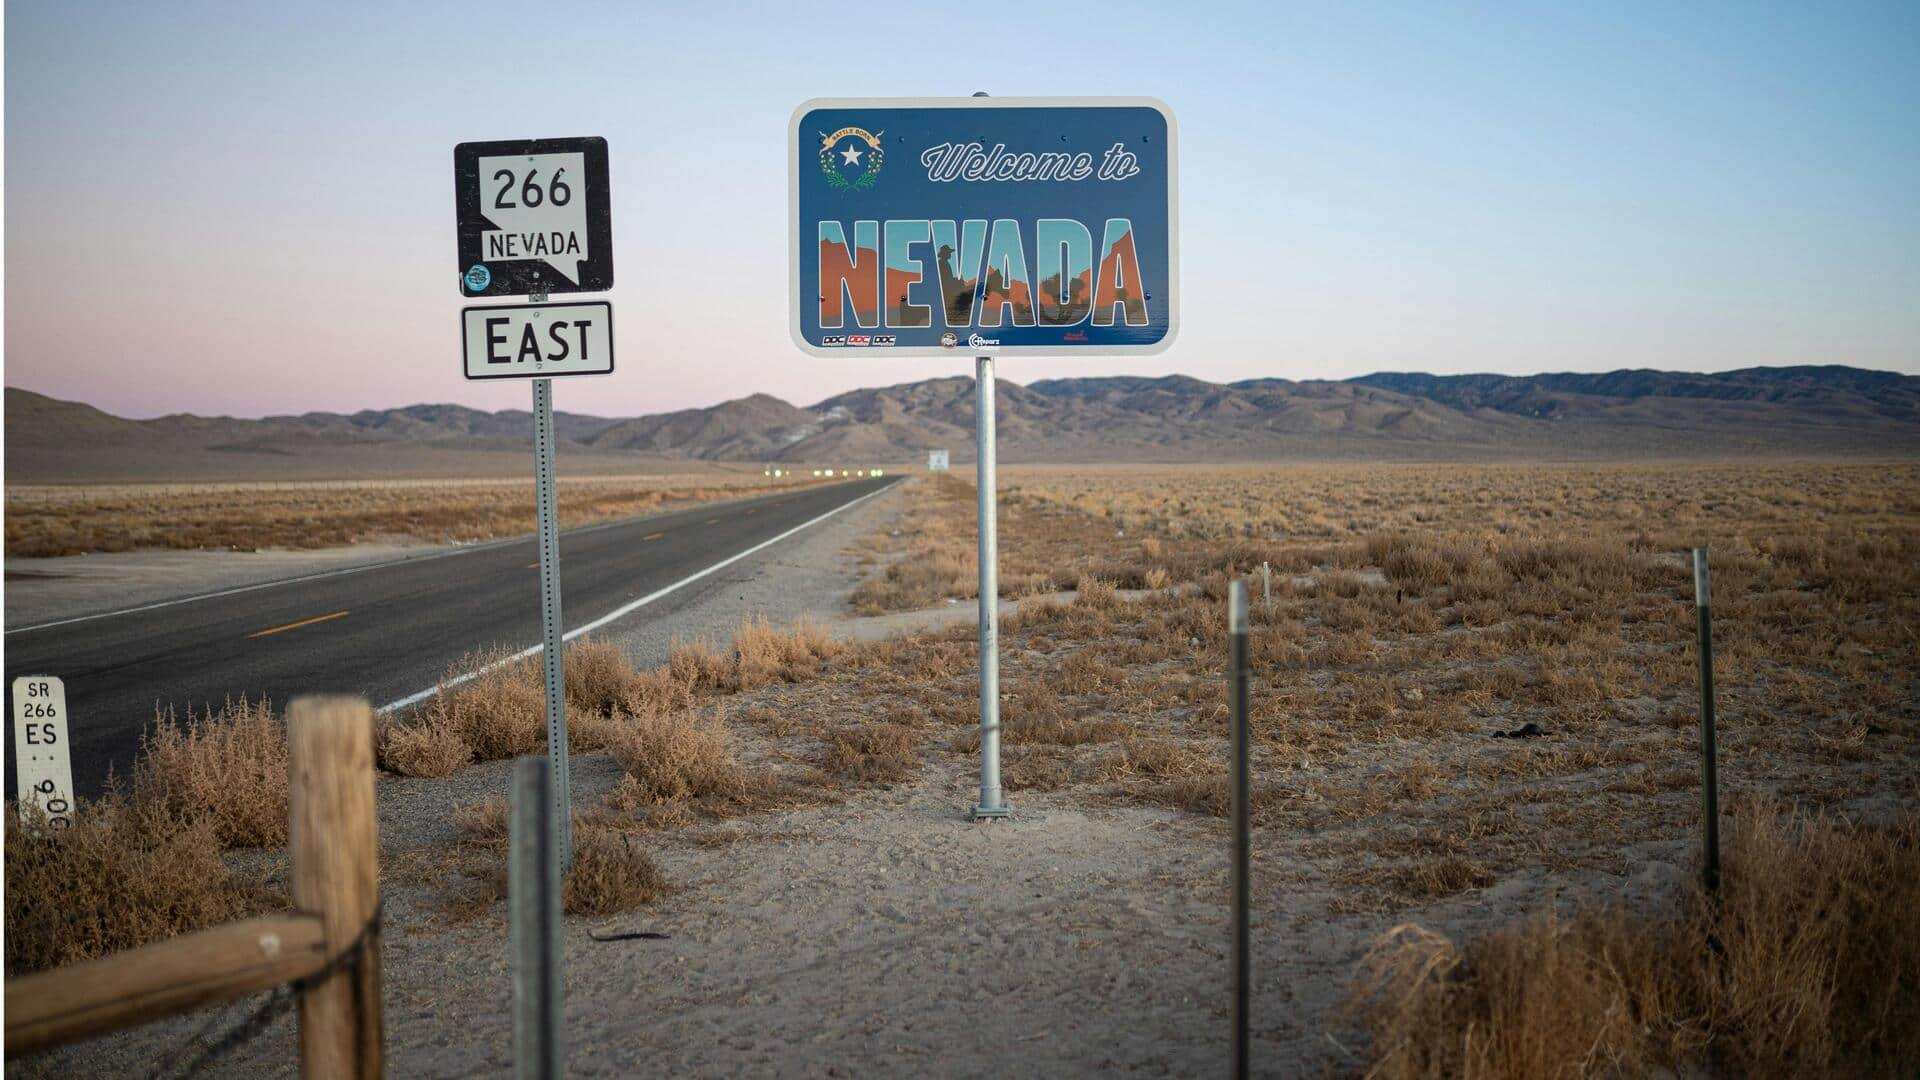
x=43, y=765
x=538, y=341
x=535, y=216
x=936, y=461
x=983, y=226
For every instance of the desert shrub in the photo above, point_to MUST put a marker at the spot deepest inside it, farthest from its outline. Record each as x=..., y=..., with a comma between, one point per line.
x=599, y=675
x=609, y=875
x=930, y=574
x=484, y=823
x=763, y=655
x=871, y=753
x=1595, y=565
x=590, y=731
x=676, y=756
x=1809, y=965
x=1820, y=964
x=126, y=873
x=501, y=712
x=697, y=665
x=1095, y=593
x=1149, y=757
x=432, y=747
x=228, y=768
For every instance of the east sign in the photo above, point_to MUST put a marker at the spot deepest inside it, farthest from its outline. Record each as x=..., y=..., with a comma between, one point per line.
x=983, y=226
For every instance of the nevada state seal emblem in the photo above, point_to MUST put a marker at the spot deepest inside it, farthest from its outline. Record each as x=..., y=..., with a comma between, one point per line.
x=851, y=158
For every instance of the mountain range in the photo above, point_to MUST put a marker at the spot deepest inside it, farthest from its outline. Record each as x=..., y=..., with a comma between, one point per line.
x=1387, y=416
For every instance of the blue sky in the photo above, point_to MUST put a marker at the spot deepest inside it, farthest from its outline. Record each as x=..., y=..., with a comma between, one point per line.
x=247, y=208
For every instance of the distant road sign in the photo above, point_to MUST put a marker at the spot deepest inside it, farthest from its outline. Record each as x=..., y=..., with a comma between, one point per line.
x=983, y=226
x=534, y=216
x=936, y=461
x=43, y=764
x=538, y=341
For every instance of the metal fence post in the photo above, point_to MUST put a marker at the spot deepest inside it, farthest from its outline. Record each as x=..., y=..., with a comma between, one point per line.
x=533, y=896
x=1242, y=796
x=993, y=803
x=1709, y=752
x=550, y=625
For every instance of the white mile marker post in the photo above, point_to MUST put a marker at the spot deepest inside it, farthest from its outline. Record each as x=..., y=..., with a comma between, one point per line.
x=43, y=766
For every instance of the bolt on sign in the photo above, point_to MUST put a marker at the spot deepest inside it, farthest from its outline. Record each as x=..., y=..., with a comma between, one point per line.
x=534, y=216
x=43, y=766
x=999, y=226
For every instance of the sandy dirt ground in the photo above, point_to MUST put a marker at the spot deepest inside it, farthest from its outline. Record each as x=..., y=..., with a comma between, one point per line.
x=883, y=936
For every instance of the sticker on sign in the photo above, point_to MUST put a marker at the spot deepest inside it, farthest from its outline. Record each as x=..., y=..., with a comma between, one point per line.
x=43, y=767
x=533, y=216
x=538, y=341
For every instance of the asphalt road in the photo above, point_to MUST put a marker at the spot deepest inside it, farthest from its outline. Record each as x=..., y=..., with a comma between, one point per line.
x=388, y=631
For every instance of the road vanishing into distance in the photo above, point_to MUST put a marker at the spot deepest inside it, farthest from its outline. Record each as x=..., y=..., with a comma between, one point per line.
x=388, y=631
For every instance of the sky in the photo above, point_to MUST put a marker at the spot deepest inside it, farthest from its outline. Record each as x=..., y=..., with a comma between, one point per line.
x=247, y=209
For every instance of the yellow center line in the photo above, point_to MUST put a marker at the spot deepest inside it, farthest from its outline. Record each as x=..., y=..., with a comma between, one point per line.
x=533, y=564
x=713, y=521
x=751, y=510
x=301, y=623
x=653, y=536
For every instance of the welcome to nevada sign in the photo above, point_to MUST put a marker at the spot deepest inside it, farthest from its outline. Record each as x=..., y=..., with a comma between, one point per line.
x=999, y=226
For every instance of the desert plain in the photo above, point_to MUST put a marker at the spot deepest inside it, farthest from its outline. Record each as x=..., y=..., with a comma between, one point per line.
x=782, y=790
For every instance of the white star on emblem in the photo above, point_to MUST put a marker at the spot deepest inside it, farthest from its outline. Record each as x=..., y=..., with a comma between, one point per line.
x=852, y=154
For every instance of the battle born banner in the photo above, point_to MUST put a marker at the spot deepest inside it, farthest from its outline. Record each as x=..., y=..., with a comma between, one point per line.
x=996, y=226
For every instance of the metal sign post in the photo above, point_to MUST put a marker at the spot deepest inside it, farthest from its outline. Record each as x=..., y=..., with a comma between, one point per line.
x=533, y=907
x=1242, y=839
x=553, y=651
x=1709, y=752
x=993, y=803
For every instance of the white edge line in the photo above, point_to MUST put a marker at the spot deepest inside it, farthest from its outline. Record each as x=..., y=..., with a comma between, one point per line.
x=625, y=609
x=464, y=549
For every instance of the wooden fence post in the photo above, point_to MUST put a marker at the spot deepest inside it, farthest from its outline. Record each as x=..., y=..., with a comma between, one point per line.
x=334, y=839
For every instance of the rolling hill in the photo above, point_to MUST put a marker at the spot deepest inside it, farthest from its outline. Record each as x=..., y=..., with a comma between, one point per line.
x=1388, y=416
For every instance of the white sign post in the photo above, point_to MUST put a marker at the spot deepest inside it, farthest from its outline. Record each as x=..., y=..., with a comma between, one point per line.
x=43, y=765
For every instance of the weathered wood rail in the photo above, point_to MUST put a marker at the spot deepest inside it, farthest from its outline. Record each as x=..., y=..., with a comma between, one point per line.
x=329, y=947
